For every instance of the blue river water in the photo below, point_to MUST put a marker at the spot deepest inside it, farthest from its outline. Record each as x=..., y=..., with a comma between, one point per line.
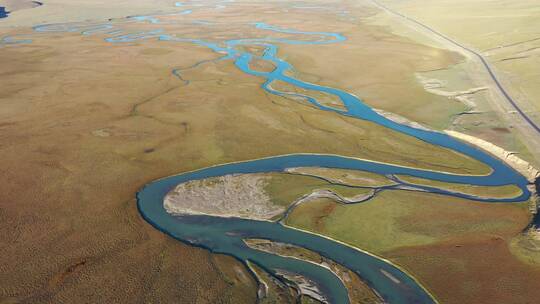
x=3, y=12
x=225, y=235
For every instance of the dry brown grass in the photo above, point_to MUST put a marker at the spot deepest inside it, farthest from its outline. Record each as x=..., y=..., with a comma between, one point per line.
x=480, y=271
x=505, y=33
x=85, y=124
x=379, y=68
x=70, y=228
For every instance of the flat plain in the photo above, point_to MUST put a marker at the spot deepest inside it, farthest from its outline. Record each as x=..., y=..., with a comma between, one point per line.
x=85, y=123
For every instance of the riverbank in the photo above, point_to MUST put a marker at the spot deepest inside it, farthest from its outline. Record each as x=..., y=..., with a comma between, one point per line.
x=402, y=120
x=510, y=158
x=265, y=196
x=359, y=292
x=241, y=196
x=504, y=93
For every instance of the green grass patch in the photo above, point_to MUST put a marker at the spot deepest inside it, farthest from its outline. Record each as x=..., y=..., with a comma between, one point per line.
x=285, y=188
x=397, y=219
x=506, y=191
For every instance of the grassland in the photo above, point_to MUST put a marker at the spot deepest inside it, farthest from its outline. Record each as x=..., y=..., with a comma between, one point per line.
x=430, y=234
x=371, y=80
x=322, y=98
x=287, y=188
x=345, y=177
x=483, y=271
x=507, y=191
x=358, y=291
x=261, y=196
x=392, y=219
x=504, y=32
x=527, y=247
x=85, y=124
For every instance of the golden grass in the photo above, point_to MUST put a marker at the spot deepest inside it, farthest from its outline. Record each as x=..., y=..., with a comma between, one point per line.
x=85, y=124
x=439, y=240
x=526, y=247
x=284, y=189
x=347, y=177
x=504, y=32
x=389, y=85
x=323, y=98
x=396, y=219
x=480, y=270
x=506, y=191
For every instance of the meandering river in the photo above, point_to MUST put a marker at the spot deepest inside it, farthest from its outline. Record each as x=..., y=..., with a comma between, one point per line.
x=225, y=235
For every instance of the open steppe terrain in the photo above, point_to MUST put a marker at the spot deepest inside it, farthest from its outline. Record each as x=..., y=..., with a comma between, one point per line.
x=85, y=123
x=506, y=34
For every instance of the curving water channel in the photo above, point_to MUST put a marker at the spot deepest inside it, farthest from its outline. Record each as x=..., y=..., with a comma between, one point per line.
x=225, y=235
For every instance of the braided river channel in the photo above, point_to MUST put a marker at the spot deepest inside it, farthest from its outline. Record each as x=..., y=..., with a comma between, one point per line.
x=226, y=235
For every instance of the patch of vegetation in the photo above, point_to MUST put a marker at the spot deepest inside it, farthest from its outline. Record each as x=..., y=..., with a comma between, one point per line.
x=346, y=176
x=526, y=247
x=506, y=191
x=284, y=188
x=397, y=219
x=277, y=292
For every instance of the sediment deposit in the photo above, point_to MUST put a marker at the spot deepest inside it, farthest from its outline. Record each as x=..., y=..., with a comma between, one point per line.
x=225, y=196
x=510, y=158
